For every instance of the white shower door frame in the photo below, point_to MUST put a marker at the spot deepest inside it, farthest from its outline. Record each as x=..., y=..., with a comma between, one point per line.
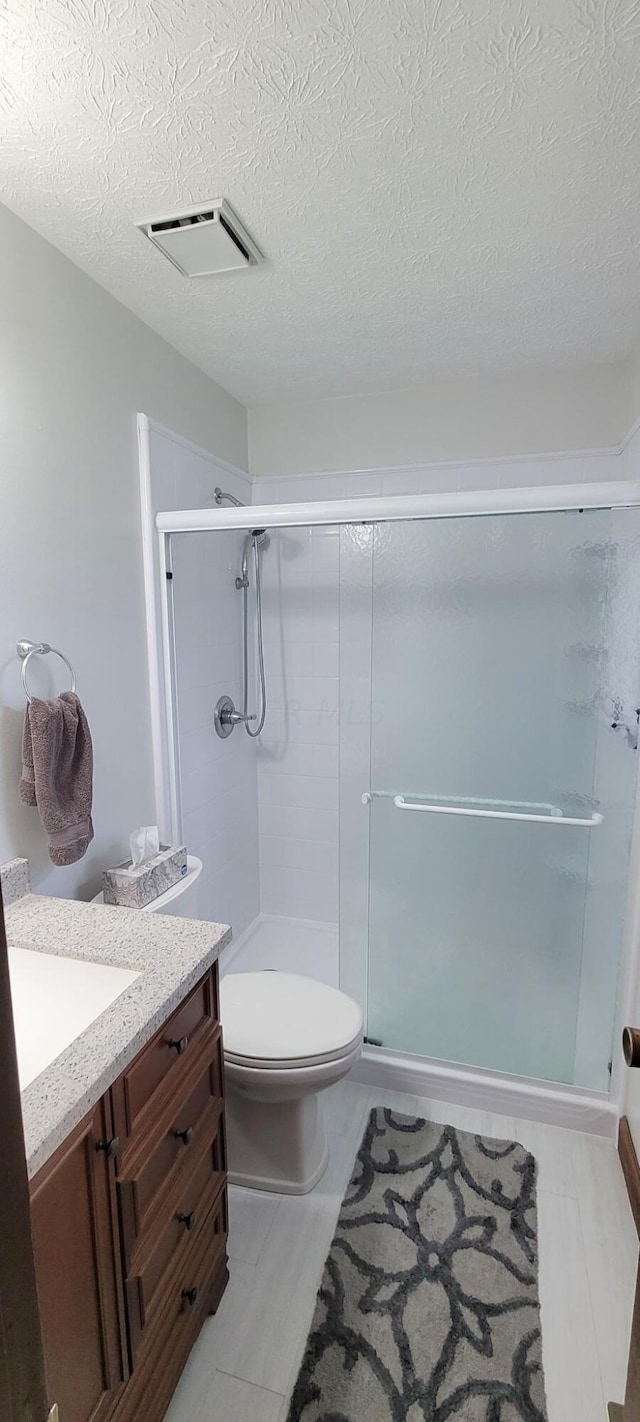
x=577, y=1108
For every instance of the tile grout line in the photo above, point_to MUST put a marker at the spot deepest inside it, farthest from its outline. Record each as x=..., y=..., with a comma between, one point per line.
x=269, y=1229
x=258, y=1386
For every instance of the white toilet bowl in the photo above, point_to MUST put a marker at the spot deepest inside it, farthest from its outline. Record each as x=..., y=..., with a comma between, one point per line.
x=286, y=1038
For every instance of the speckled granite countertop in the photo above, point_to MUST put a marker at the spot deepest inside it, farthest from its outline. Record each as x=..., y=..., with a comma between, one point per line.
x=170, y=954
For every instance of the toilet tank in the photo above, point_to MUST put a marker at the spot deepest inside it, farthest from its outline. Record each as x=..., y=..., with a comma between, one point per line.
x=181, y=899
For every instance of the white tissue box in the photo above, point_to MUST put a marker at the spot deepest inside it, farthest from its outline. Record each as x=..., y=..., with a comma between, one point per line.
x=132, y=886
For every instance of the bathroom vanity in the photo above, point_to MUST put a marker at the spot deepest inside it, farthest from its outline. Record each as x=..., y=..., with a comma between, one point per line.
x=125, y=1145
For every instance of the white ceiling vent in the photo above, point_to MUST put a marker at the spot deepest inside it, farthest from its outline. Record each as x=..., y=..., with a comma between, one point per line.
x=203, y=241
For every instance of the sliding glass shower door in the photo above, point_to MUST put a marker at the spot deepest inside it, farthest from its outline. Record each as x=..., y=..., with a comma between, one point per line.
x=499, y=795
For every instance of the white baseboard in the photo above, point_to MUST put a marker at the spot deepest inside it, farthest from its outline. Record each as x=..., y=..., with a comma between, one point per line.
x=576, y=1110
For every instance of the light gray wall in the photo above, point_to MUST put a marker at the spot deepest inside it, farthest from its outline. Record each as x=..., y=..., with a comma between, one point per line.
x=520, y=415
x=75, y=367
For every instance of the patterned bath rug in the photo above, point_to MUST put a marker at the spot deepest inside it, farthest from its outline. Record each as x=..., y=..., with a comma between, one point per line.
x=428, y=1308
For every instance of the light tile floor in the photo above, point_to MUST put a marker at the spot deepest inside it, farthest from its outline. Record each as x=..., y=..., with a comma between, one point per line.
x=245, y=1361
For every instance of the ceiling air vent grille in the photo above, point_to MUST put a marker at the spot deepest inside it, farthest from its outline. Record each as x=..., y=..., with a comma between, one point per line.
x=203, y=241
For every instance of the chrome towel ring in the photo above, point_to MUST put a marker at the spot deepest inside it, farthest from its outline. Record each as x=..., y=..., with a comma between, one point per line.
x=26, y=650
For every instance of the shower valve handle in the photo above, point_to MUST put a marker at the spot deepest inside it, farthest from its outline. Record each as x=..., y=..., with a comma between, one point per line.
x=226, y=717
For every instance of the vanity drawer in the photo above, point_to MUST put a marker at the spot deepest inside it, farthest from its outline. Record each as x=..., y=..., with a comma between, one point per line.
x=157, y=1261
x=166, y=1059
x=193, y=1281
x=149, y=1174
x=194, y=1292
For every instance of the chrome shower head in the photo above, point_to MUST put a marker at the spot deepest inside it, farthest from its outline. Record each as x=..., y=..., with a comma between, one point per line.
x=259, y=534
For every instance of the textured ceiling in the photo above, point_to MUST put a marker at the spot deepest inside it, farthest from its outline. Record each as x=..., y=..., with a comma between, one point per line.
x=441, y=187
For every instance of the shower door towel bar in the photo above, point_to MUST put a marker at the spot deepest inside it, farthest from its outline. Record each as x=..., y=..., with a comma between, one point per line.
x=472, y=808
x=555, y=819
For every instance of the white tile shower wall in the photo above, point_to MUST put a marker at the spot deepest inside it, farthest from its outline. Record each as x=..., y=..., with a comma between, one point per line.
x=298, y=752
x=218, y=777
x=219, y=788
x=356, y=646
x=438, y=478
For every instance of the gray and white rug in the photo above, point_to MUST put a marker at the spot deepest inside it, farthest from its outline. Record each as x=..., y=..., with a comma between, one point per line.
x=428, y=1307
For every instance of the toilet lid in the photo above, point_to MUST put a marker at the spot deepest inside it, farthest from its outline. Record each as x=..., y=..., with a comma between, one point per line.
x=282, y=1017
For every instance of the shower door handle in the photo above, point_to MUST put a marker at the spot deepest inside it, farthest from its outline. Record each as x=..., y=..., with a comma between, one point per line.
x=631, y=1046
x=559, y=819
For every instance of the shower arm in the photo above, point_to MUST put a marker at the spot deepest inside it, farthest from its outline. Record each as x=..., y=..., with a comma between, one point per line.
x=221, y=497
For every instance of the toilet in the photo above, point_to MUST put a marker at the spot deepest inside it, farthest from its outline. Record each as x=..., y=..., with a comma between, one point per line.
x=286, y=1039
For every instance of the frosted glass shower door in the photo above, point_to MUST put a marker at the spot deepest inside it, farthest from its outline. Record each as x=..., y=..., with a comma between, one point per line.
x=499, y=647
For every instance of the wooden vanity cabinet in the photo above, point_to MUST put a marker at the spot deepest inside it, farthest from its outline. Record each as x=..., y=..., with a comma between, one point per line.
x=130, y=1226
x=77, y=1257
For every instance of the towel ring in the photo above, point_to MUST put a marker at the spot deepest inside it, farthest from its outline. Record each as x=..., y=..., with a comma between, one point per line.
x=26, y=650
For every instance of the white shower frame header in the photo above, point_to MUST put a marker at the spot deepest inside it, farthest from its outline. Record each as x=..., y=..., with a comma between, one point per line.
x=576, y=1107
x=553, y=498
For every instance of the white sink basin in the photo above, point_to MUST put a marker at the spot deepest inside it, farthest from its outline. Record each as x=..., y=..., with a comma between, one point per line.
x=54, y=1000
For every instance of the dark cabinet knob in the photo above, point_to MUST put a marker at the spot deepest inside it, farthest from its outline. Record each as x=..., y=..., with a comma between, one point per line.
x=184, y=1136
x=631, y=1046
x=190, y=1296
x=110, y=1148
x=188, y=1220
x=179, y=1044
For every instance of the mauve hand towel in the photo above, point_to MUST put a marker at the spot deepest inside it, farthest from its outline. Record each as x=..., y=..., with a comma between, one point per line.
x=57, y=773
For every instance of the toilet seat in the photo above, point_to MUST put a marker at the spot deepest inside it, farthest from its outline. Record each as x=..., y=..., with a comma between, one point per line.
x=274, y=1021
x=290, y=1063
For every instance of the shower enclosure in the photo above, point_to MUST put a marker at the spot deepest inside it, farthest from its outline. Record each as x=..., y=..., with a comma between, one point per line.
x=486, y=721
x=499, y=797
